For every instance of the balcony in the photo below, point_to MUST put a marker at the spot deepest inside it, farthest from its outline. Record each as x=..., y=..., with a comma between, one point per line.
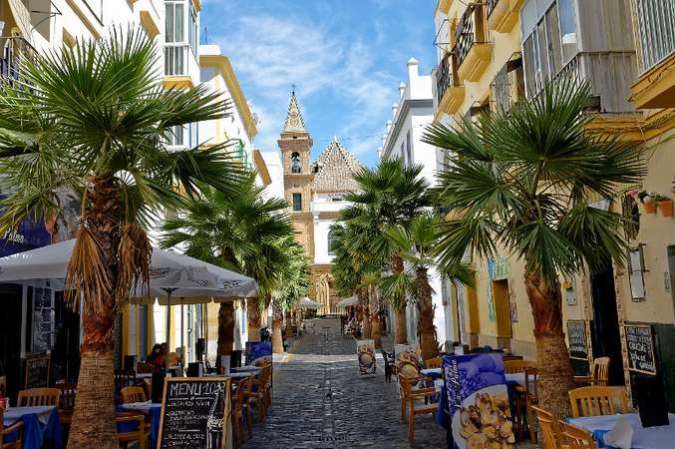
x=15, y=52
x=179, y=66
x=503, y=14
x=656, y=41
x=472, y=51
x=450, y=95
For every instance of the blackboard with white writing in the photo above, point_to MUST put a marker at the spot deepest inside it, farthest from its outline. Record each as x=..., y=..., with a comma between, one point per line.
x=576, y=335
x=37, y=370
x=640, y=346
x=195, y=413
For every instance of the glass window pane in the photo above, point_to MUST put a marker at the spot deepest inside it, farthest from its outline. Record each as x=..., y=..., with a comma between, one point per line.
x=568, y=29
x=179, y=35
x=553, y=35
x=169, y=22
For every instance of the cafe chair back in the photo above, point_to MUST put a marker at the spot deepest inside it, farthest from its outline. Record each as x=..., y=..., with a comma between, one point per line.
x=573, y=437
x=517, y=366
x=11, y=437
x=596, y=401
x=549, y=429
x=436, y=362
x=131, y=433
x=66, y=402
x=238, y=410
x=133, y=394
x=35, y=397
x=599, y=373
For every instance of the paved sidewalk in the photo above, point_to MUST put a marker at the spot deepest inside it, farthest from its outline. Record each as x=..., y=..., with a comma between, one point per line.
x=320, y=401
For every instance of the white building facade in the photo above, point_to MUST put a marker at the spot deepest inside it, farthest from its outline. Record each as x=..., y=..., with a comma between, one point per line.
x=403, y=140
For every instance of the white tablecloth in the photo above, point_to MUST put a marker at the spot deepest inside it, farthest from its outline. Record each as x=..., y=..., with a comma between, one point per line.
x=13, y=414
x=516, y=377
x=662, y=437
x=141, y=406
x=431, y=371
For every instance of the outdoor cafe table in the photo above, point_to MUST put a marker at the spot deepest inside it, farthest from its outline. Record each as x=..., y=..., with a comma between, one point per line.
x=432, y=373
x=151, y=409
x=659, y=437
x=41, y=424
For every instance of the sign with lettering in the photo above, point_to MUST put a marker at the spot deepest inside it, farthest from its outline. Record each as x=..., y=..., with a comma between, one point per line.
x=195, y=413
x=640, y=346
x=37, y=370
x=576, y=335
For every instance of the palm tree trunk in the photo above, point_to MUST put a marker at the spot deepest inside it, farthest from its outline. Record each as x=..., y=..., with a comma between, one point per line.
x=367, y=330
x=428, y=341
x=225, y=330
x=401, y=329
x=253, y=318
x=277, y=338
x=93, y=422
x=375, y=332
x=556, y=376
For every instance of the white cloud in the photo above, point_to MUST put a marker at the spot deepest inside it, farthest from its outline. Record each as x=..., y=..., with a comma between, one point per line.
x=272, y=53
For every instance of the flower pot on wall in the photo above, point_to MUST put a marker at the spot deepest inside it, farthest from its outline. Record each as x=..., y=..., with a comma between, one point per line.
x=650, y=207
x=666, y=208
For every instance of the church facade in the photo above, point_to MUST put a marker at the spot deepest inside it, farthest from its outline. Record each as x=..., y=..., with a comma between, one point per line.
x=315, y=192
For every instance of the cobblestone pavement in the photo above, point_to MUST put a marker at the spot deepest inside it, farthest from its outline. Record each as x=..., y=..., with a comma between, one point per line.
x=320, y=401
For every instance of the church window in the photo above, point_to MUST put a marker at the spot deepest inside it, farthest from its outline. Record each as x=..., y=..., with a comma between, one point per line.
x=297, y=202
x=296, y=166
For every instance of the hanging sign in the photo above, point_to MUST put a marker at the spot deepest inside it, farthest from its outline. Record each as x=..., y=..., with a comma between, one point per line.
x=640, y=348
x=365, y=352
x=576, y=335
x=195, y=413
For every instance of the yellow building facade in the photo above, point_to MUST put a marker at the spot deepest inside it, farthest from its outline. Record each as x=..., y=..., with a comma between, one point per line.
x=494, y=53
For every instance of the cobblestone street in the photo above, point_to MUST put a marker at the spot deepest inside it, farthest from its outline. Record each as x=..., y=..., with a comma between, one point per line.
x=320, y=401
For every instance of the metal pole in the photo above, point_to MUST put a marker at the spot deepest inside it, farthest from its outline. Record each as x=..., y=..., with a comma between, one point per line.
x=182, y=334
x=168, y=326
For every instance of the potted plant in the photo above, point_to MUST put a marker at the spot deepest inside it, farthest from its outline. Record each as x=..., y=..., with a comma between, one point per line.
x=647, y=200
x=664, y=204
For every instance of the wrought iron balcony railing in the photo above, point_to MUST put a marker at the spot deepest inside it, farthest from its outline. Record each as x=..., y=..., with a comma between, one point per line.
x=470, y=31
x=444, y=76
x=177, y=60
x=656, y=33
x=15, y=52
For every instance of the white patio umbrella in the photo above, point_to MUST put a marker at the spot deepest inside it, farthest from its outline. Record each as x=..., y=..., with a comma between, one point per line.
x=171, y=275
x=346, y=302
x=306, y=303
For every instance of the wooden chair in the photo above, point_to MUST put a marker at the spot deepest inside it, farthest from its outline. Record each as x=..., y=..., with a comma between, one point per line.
x=238, y=410
x=35, y=397
x=517, y=366
x=599, y=373
x=523, y=396
x=549, y=428
x=261, y=398
x=596, y=401
x=133, y=394
x=13, y=432
x=137, y=434
x=436, y=362
x=409, y=398
x=573, y=437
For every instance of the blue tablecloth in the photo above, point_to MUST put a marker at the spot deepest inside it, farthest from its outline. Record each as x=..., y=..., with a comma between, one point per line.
x=154, y=411
x=36, y=432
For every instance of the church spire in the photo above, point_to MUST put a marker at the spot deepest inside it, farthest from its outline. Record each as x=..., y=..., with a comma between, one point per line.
x=294, y=122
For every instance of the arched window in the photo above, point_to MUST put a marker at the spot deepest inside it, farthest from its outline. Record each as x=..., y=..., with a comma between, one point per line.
x=296, y=166
x=331, y=241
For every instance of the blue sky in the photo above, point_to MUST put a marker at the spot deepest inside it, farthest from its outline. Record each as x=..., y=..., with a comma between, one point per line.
x=347, y=58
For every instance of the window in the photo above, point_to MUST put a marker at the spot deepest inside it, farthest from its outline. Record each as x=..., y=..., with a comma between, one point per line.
x=297, y=202
x=636, y=262
x=408, y=148
x=331, y=242
x=296, y=166
x=655, y=29
x=175, y=22
x=193, y=30
x=568, y=29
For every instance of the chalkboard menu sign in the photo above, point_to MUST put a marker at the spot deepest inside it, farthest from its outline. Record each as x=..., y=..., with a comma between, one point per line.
x=37, y=370
x=194, y=410
x=576, y=335
x=640, y=346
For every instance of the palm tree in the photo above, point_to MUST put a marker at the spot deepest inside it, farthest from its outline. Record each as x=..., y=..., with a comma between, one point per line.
x=525, y=181
x=236, y=232
x=95, y=120
x=293, y=284
x=388, y=195
x=417, y=246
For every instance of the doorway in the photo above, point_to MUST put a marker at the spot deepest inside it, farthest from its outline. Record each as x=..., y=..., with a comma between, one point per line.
x=605, y=325
x=66, y=352
x=10, y=338
x=500, y=292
